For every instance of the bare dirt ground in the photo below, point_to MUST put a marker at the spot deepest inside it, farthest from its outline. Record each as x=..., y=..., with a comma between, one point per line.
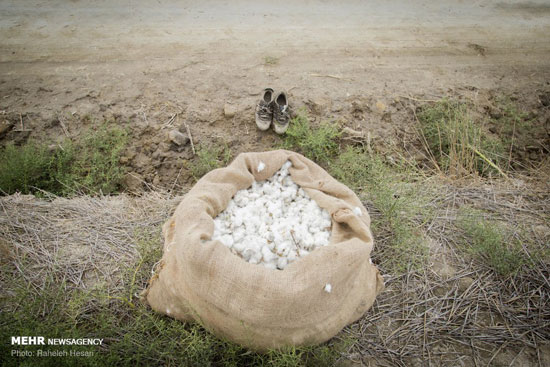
x=153, y=66
x=156, y=65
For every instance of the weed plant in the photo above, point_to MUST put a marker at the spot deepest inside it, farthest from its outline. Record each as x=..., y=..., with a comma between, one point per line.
x=89, y=165
x=458, y=144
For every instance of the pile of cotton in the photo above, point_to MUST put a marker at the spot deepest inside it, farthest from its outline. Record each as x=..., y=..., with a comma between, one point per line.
x=273, y=223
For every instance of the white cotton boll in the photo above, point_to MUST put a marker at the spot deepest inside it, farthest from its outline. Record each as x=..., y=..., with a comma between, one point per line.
x=227, y=240
x=239, y=234
x=288, y=182
x=314, y=228
x=277, y=236
x=237, y=220
x=302, y=252
x=239, y=246
x=328, y=288
x=287, y=165
x=252, y=254
x=291, y=256
x=247, y=254
x=282, y=262
x=321, y=239
x=242, y=202
x=261, y=201
x=292, y=192
x=253, y=196
x=267, y=255
x=261, y=166
x=283, y=248
x=357, y=211
x=268, y=190
x=231, y=206
x=270, y=266
x=308, y=242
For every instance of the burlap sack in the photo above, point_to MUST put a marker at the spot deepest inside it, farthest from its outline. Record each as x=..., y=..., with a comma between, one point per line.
x=260, y=308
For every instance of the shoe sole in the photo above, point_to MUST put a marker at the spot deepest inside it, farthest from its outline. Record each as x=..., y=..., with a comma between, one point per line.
x=262, y=125
x=280, y=129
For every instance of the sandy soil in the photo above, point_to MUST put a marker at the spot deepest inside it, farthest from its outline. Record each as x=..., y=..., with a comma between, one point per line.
x=146, y=61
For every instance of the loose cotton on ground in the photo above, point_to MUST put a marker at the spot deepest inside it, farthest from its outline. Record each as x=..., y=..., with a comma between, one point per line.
x=273, y=223
x=308, y=302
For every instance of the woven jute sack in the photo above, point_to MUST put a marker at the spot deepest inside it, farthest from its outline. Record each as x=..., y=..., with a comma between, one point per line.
x=260, y=308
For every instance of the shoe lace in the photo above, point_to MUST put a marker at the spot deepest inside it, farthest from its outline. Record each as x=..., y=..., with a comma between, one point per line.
x=264, y=111
x=281, y=115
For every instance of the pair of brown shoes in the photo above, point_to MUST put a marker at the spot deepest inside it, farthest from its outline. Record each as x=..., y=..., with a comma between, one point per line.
x=273, y=109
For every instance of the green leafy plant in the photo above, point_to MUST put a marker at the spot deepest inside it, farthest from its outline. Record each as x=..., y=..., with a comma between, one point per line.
x=271, y=60
x=489, y=242
x=96, y=167
x=209, y=157
x=89, y=165
x=25, y=169
x=320, y=143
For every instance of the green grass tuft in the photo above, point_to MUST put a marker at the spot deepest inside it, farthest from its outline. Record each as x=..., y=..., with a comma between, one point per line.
x=25, y=168
x=459, y=145
x=271, y=60
x=89, y=165
x=210, y=157
x=320, y=143
x=401, y=205
x=491, y=243
x=96, y=167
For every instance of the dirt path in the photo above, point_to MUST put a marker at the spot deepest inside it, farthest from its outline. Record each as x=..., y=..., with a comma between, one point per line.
x=69, y=55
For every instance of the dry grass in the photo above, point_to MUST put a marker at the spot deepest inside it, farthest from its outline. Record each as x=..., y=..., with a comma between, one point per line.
x=460, y=314
x=459, y=311
x=82, y=241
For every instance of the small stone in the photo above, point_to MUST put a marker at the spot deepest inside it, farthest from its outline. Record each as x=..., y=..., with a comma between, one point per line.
x=328, y=288
x=495, y=113
x=156, y=180
x=142, y=161
x=318, y=105
x=5, y=126
x=465, y=283
x=380, y=106
x=545, y=99
x=229, y=111
x=178, y=138
x=443, y=268
x=133, y=182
